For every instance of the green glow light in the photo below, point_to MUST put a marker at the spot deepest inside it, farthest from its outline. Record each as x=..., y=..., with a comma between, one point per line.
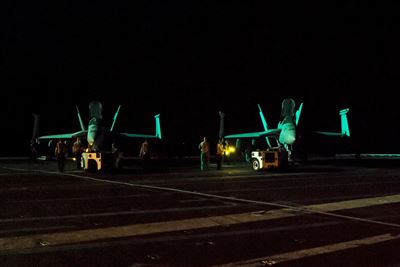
x=344, y=123
x=298, y=113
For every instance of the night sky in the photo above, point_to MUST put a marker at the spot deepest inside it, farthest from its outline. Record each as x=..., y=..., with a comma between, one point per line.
x=189, y=60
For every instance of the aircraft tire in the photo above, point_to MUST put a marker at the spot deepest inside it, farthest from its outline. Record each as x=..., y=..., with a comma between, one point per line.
x=255, y=164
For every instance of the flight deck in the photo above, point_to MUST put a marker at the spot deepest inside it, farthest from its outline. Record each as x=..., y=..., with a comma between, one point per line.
x=325, y=212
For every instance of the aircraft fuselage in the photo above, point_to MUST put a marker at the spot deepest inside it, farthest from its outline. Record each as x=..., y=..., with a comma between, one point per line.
x=95, y=130
x=287, y=135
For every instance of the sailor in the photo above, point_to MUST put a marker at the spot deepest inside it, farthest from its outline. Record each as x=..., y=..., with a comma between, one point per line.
x=220, y=153
x=60, y=151
x=144, y=153
x=77, y=150
x=204, y=154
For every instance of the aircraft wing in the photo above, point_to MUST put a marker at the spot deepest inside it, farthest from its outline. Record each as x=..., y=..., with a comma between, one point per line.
x=63, y=136
x=130, y=135
x=344, y=126
x=268, y=133
x=330, y=134
x=156, y=135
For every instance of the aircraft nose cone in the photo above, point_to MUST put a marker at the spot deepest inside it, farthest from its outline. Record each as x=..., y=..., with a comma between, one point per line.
x=91, y=135
x=290, y=140
x=290, y=137
x=288, y=134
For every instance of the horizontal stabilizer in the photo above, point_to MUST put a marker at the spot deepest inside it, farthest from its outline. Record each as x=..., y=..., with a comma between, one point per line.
x=329, y=133
x=131, y=135
x=269, y=133
x=63, y=136
x=344, y=124
x=157, y=135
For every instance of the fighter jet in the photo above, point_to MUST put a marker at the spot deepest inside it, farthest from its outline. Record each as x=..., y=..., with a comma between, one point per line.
x=96, y=132
x=285, y=134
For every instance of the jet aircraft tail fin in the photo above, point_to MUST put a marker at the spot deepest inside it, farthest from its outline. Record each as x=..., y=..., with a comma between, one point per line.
x=80, y=118
x=298, y=113
x=221, y=124
x=35, y=131
x=265, y=125
x=158, y=126
x=344, y=125
x=115, y=118
x=264, y=122
x=345, y=130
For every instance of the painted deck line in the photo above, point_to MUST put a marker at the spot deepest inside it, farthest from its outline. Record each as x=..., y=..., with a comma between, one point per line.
x=61, y=238
x=32, y=241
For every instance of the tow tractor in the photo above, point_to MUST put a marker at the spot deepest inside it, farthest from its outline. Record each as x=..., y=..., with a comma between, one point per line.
x=273, y=158
x=96, y=161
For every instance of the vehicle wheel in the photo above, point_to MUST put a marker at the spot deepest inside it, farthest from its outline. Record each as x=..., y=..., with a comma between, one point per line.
x=255, y=164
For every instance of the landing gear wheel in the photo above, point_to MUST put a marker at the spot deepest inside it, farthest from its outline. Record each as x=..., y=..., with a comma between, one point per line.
x=255, y=164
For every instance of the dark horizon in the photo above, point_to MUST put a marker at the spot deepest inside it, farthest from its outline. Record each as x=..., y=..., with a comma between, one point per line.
x=188, y=61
